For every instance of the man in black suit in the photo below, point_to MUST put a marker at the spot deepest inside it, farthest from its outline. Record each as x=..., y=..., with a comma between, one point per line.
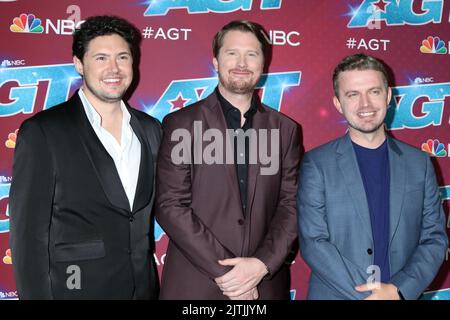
x=83, y=181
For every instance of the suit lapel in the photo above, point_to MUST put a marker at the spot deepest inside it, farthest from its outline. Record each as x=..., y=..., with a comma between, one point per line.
x=397, y=186
x=215, y=119
x=101, y=160
x=144, y=186
x=351, y=176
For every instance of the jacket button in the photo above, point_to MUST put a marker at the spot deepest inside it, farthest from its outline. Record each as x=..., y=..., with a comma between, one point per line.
x=369, y=251
x=131, y=219
x=241, y=222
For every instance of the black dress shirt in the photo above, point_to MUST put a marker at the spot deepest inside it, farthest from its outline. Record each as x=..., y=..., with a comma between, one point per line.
x=241, y=159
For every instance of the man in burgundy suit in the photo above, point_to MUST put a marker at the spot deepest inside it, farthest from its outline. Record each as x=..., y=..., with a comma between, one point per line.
x=226, y=183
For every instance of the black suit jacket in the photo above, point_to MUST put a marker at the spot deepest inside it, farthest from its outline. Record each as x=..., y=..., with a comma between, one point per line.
x=69, y=210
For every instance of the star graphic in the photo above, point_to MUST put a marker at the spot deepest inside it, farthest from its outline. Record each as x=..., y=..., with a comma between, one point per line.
x=177, y=103
x=381, y=5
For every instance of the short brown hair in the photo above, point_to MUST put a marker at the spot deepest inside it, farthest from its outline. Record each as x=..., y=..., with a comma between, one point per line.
x=359, y=61
x=243, y=26
x=97, y=26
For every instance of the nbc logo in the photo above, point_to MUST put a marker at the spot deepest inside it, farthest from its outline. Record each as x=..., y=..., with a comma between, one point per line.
x=434, y=148
x=433, y=45
x=7, y=258
x=27, y=24
x=11, y=142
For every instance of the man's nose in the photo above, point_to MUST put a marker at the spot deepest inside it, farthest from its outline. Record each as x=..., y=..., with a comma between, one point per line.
x=114, y=65
x=364, y=101
x=242, y=62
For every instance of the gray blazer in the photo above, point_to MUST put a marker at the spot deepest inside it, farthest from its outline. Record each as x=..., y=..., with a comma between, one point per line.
x=335, y=229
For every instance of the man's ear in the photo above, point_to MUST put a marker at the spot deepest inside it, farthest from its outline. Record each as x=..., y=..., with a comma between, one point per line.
x=78, y=65
x=216, y=64
x=389, y=95
x=337, y=104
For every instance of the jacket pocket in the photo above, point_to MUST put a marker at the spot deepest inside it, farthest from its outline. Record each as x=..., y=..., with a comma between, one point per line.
x=86, y=250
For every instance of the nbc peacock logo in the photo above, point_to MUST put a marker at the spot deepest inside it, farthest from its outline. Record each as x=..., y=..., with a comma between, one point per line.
x=434, y=148
x=7, y=258
x=26, y=23
x=11, y=142
x=433, y=45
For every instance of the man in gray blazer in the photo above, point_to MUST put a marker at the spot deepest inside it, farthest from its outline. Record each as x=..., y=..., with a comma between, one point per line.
x=370, y=220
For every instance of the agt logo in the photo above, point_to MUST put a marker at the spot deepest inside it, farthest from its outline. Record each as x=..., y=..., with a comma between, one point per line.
x=26, y=80
x=181, y=93
x=400, y=113
x=162, y=7
x=434, y=148
x=28, y=23
x=395, y=13
x=433, y=45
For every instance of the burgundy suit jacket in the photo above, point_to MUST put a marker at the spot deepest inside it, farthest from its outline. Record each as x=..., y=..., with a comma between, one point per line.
x=199, y=207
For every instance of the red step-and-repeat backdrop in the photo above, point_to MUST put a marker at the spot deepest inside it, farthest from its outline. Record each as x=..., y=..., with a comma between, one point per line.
x=309, y=38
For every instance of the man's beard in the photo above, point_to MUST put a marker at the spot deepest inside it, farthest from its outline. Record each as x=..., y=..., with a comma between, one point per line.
x=237, y=86
x=103, y=96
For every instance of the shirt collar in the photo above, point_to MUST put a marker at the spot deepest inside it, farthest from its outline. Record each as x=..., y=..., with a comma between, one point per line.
x=94, y=117
x=381, y=148
x=227, y=106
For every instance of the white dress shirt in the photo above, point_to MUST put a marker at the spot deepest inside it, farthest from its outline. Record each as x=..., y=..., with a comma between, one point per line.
x=126, y=155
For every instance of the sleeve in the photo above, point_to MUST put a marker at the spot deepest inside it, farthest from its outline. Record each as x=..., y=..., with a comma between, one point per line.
x=424, y=263
x=282, y=233
x=176, y=216
x=30, y=203
x=316, y=249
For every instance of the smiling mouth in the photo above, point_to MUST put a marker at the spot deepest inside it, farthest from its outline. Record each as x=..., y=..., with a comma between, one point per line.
x=366, y=114
x=112, y=82
x=241, y=72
